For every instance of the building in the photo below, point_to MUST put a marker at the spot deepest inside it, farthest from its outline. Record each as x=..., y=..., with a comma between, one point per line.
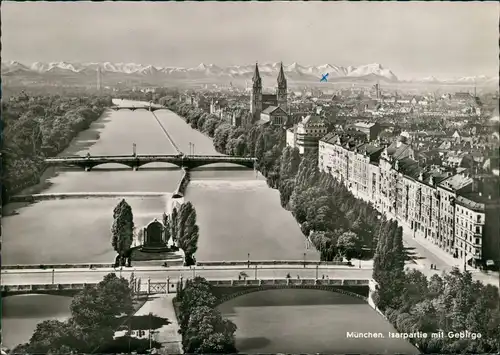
x=275, y=115
x=477, y=241
x=371, y=129
x=447, y=192
x=333, y=155
x=306, y=134
x=455, y=211
x=259, y=102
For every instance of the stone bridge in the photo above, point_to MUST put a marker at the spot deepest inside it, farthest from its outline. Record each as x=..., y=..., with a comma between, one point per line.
x=224, y=290
x=227, y=290
x=45, y=289
x=136, y=161
x=133, y=108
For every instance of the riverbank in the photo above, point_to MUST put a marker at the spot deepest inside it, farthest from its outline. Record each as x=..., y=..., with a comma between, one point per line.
x=54, y=122
x=49, y=172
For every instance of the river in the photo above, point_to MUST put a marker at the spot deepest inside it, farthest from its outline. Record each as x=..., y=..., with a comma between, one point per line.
x=237, y=213
x=298, y=321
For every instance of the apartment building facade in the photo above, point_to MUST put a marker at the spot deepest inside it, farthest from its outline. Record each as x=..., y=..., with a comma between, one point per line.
x=425, y=200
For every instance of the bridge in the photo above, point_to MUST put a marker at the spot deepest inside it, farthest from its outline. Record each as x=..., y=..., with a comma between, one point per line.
x=133, y=108
x=136, y=161
x=69, y=279
x=224, y=290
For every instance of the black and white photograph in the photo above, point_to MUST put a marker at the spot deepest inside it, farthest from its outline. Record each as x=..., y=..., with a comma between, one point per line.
x=253, y=177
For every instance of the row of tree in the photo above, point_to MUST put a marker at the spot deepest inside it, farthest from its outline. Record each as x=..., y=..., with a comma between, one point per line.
x=337, y=224
x=203, y=329
x=36, y=127
x=263, y=142
x=96, y=313
x=453, y=302
x=181, y=226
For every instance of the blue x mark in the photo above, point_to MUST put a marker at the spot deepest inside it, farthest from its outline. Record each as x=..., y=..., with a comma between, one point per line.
x=324, y=77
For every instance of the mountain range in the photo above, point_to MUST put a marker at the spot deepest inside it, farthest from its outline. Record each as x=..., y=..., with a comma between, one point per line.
x=113, y=72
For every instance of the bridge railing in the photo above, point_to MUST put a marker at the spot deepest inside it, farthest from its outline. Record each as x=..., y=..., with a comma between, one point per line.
x=170, y=286
x=220, y=157
x=240, y=263
x=41, y=287
x=55, y=266
x=271, y=262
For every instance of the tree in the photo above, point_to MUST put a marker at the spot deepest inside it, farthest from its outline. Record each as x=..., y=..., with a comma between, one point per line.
x=349, y=245
x=260, y=147
x=209, y=333
x=95, y=313
x=51, y=336
x=168, y=228
x=186, y=231
x=322, y=242
x=101, y=303
x=122, y=232
x=173, y=224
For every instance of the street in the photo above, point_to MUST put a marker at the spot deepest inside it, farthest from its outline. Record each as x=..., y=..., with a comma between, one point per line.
x=31, y=277
x=425, y=254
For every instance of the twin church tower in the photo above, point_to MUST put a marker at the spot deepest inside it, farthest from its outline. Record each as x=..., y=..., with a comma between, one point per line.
x=260, y=102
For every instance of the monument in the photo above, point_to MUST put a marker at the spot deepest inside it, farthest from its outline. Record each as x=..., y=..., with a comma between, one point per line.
x=153, y=237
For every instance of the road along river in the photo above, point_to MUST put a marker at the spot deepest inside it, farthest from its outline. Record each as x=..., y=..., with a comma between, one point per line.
x=237, y=214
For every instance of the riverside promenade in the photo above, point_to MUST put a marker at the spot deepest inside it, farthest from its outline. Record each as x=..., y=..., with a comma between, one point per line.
x=167, y=335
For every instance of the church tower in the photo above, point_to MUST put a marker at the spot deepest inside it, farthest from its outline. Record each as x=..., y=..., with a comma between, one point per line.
x=282, y=94
x=256, y=96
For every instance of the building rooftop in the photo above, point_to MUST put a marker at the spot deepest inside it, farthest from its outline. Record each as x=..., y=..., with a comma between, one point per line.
x=399, y=150
x=364, y=124
x=476, y=201
x=273, y=109
x=312, y=120
x=409, y=167
x=346, y=139
x=456, y=182
x=368, y=149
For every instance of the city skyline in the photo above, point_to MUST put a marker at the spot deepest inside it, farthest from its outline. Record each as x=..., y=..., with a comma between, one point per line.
x=396, y=35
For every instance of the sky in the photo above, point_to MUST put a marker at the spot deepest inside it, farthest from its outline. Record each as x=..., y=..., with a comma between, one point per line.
x=413, y=39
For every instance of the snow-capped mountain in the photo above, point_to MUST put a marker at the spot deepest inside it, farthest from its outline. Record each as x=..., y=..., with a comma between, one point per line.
x=294, y=72
x=429, y=79
x=14, y=66
x=372, y=70
x=466, y=80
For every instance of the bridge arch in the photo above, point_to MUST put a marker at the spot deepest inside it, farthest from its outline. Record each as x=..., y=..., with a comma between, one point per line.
x=193, y=164
x=54, y=292
x=103, y=165
x=225, y=294
x=164, y=165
